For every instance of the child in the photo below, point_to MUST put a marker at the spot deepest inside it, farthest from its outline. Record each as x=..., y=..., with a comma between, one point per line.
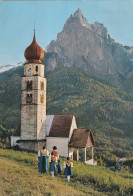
x=53, y=157
x=68, y=169
x=59, y=167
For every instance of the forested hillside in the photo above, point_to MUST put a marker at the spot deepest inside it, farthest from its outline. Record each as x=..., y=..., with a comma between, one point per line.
x=97, y=104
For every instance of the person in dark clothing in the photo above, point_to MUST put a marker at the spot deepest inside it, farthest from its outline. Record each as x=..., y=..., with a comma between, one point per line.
x=68, y=169
x=43, y=162
x=59, y=167
x=52, y=167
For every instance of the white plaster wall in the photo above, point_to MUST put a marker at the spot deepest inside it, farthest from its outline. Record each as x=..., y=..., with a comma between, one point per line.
x=49, y=120
x=61, y=143
x=13, y=140
x=73, y=126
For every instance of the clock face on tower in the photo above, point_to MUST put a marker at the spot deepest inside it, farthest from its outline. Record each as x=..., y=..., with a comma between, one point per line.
x=29, y=71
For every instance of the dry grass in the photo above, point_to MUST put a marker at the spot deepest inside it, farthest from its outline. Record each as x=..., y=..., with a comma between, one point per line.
x=19, y=176
x=18, y=179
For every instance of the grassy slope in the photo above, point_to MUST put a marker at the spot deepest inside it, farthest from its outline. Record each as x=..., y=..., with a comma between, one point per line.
x=19, y=176
x=19, y=179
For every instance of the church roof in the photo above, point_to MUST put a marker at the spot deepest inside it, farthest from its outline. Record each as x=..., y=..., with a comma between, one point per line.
x=17, y=131
x=61, y=125
x=81, y=138
x=56, y=126
x=34, y=53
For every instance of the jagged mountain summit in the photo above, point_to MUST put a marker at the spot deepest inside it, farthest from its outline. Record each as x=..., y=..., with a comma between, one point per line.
x=89, y=47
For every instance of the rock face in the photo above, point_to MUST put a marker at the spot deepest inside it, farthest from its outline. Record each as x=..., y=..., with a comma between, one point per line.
x=89, y=47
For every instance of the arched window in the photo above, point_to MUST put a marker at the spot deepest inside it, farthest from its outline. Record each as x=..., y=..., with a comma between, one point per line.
x=36, y=68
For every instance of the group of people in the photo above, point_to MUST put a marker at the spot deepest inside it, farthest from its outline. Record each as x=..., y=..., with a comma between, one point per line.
x=55, y=165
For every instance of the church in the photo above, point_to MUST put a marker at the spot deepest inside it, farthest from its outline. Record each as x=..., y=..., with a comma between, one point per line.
x=38, y=129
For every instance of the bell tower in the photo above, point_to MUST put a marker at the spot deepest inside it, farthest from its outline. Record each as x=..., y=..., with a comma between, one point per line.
x=33, y=99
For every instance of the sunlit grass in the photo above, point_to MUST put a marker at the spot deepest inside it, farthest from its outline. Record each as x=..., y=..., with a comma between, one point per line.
x=17, y=179
x=19, y=172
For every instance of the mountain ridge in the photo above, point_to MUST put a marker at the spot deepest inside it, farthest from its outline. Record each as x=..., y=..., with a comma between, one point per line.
x=90, y=47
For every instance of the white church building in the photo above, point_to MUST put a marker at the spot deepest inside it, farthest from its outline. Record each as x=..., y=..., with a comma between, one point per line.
x=38, y=129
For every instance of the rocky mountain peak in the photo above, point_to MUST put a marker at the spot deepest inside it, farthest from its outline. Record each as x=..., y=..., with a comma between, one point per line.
x=89, y=47
x=77, y=18
x=78, y=13
x=101, y=30
x=78, y=21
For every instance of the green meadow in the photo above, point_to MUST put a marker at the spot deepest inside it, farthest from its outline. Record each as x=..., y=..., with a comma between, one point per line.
x=19, y=176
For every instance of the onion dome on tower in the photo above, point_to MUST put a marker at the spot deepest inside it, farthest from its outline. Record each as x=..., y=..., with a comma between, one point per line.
x=34, y=53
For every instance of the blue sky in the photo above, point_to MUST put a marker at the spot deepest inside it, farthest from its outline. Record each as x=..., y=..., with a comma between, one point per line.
x=17, y=22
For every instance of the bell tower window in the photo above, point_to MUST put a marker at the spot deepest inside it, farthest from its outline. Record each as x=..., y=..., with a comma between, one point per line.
x=29, y=98
x=36, y=68
x=42, y=86
x=29, y=85
x=42, y=98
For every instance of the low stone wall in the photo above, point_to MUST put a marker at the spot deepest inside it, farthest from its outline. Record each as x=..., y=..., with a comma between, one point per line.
x=31, y=146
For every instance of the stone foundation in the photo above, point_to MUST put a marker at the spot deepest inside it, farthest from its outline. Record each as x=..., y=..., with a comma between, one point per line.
x=31, y=145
